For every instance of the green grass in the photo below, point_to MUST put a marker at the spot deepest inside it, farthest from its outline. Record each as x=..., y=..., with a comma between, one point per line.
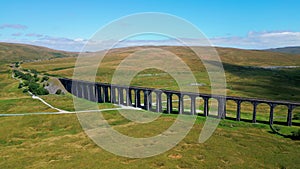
x=65, y=102
x=9, y=87
x=26, y=105
x=57, y=141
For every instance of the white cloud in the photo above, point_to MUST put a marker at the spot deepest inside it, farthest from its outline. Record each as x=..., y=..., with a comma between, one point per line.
x=13, y=26
x=51, y=42
x=60, y=43
x=260, y=40
x=34, y=35
x=253, y=40
x=78, y=40
x=16, y=34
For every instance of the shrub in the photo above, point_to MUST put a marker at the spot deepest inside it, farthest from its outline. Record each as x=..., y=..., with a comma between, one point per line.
x=42, y=91
x=33, y=87
x=27, y=76
x=17, y=64
x=34, y=71
x=58, y=92
x=31, y=82
x=36, y=89
x=18, y=73
x=45, y=78
x=26, y=83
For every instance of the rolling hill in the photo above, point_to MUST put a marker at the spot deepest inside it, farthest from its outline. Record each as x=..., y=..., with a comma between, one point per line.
x=289, y=56
x=241, y=57
x=12, y=52
x=290, y=50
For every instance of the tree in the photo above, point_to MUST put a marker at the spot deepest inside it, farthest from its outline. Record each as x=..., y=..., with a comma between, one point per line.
x=33, y=87
x=17, y=64
x=42, y=91
x=45, y=78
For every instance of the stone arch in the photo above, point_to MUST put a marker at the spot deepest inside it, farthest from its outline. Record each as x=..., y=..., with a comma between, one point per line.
x=175, y=103
x=262, y=113
x=296, y=116
x=147, y=99
x=102, y=91
x=153, y=105
x=199, y=106
x=124, y=95
x=187, y=108
x=108, y=94
x=246, y=111
x=231, y=109
x=280, y=114
x=213, y=107
x=132, y=100
x=116, y=95
x=164, y=102
x=140, y=98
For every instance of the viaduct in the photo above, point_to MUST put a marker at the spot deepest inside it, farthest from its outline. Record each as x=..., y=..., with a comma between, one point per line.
x=142, y=98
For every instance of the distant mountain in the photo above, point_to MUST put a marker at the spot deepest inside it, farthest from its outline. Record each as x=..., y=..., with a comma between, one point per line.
x=290, y=50
x=12, y=52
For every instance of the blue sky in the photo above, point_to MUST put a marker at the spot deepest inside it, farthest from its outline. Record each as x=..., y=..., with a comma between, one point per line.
x=252, y=24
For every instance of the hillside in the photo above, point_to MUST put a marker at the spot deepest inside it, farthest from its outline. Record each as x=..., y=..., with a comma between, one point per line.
x=243, y=75
x=290, y=50
x=233, y=56
x=11, y=52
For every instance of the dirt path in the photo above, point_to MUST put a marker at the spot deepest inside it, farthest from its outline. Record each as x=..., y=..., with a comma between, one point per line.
x=66, y=112
x=47, y=104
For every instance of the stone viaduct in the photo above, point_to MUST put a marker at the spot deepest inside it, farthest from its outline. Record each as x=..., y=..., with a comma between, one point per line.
x=142, y=98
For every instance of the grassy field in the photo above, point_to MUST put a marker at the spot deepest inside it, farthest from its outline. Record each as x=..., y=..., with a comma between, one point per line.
x=65, y=102
x=58, y=141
